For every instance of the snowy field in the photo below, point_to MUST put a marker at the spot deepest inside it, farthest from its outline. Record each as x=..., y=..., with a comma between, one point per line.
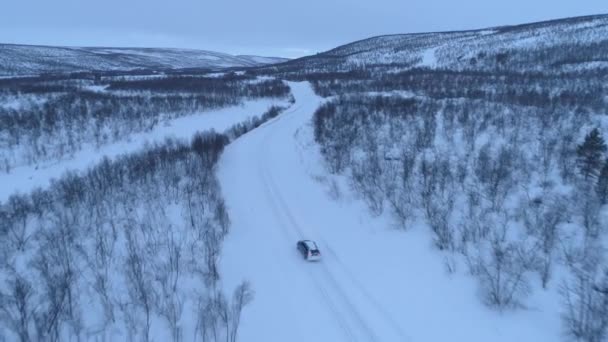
x=374, y=283
x=24, y=179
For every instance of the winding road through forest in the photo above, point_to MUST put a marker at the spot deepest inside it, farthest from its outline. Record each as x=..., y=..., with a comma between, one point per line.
x=374, y=283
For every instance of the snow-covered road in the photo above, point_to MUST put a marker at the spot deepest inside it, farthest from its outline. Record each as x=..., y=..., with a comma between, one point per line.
x=373, y=283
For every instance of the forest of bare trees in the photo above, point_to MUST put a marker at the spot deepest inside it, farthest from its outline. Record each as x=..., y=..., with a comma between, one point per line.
x=128, y=248
x=56, y=118
x=507, y=170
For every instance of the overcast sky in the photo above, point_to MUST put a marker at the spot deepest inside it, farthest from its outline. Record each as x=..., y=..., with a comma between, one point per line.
x=288, y=28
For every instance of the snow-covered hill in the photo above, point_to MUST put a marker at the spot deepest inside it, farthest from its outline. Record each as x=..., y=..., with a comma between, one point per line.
x=29, y=59
x=553, y=44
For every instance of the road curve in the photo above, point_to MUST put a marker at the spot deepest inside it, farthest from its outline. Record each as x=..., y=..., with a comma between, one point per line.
x=265, y=184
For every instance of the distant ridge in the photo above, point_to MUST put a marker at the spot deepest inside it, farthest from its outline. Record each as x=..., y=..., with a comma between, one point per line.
x=18, y=60
x=574, y=42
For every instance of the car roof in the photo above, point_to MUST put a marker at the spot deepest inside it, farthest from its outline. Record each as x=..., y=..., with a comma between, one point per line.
x=310, y=244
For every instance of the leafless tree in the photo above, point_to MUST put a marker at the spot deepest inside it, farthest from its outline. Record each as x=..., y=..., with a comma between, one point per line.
x=212, y=242
x=243, y=295
x=589, y=208
x=206, y=319
x=585, y=298
x=168, y=270
x=495, y=173
x=57, y=264
x=399, y=186
x=542, y=217
x=437, y=198
x=54, y=305
x=366, y=179
x=102, y=260
x=138, y=280
x=501, y=265
x=220, y=215
x=17, y=307
x=474, y=226
x=19, y=208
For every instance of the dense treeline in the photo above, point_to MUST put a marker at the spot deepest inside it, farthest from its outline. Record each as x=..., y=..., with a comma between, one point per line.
x=241, y=128
x=228, y=85
x=126, y=250
x=40, y=84
x=63, y=116
x=582, y=89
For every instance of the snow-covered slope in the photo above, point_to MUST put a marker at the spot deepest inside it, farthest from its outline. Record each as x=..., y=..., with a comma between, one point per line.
x=535, y=46
x=29, y=59
x=373, y=284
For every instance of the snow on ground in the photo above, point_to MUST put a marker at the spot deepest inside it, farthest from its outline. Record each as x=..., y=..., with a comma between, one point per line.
x=11, y=103
x=428, y=58
x=596, y=65
x=96, y=88
x=529, y=41
x=215, y=74
x=26, y=178
x=486, y=32
x=16, y=102
x=398, y=93
x=374, y=283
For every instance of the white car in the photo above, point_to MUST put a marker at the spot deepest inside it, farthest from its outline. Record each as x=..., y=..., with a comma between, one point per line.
x=309, y=250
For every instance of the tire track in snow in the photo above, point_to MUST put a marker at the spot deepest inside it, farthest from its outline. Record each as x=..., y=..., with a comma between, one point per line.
x=386, y=316
x=346, y=329
x=339, y=316
x=326, y=298
x=351, y=310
